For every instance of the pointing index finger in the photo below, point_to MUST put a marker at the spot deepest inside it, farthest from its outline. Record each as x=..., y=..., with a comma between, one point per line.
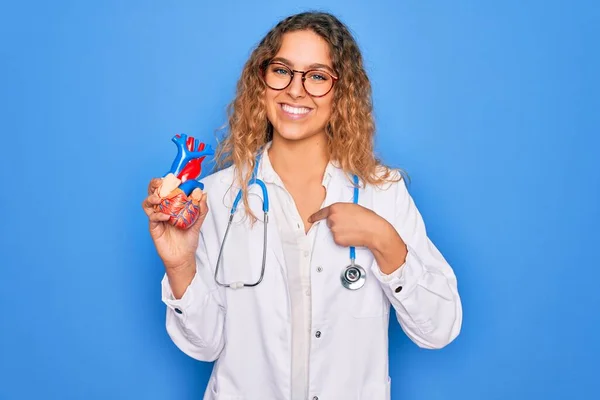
x=319, y=215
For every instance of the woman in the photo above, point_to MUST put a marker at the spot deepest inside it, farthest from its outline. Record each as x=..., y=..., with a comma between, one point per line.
x=302, y=122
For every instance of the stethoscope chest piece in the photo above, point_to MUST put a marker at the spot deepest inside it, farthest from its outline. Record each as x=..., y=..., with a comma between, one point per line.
x=353, y=277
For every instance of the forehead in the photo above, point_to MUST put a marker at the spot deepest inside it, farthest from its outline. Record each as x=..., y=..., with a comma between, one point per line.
x=304, y=48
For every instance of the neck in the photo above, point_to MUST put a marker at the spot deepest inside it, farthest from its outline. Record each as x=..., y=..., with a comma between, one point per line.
x=299, y=160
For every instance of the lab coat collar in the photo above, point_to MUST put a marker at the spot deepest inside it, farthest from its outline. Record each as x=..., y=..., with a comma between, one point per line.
x=333, y=172
x=268, y=174
x=338, y=184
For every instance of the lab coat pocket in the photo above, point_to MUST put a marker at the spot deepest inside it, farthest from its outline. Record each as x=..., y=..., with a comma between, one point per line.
x=369, y=301
x=377, y=391
x=216, y=395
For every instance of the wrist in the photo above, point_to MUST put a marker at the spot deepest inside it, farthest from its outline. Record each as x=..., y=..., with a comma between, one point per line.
x=181, y=265
x=380, y=235
x=180, y=277
x=387, y=247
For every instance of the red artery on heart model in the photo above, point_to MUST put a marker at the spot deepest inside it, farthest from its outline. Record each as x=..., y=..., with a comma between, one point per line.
x=193, y=168
x=180, y=192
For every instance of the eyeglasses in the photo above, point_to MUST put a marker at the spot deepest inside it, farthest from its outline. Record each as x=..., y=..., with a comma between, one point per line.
x=316, y=82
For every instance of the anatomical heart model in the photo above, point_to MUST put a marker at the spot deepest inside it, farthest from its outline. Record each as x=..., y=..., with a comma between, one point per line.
x=180, y=192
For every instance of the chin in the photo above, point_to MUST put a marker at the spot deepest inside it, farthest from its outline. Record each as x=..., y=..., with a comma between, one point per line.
x=295, y=134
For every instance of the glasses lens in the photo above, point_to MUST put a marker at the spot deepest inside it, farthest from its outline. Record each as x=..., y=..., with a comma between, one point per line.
x=318, y=83
x=278, y=76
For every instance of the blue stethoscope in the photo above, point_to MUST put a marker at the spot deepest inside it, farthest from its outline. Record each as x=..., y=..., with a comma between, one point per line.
x=352, y=277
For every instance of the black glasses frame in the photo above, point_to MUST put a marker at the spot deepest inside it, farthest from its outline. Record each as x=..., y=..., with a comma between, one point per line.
x=293, y=72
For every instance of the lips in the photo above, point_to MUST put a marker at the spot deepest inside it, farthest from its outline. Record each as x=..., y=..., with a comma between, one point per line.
x=294, y=111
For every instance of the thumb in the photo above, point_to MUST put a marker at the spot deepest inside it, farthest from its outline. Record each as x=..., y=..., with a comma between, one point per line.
x=203, y=205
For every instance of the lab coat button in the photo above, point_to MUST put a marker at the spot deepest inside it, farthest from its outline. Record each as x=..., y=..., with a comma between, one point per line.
x=319, y=269
x=178, y=311
x=398, y=289
x=318, y=334
x=315, y=398
x=306, y=253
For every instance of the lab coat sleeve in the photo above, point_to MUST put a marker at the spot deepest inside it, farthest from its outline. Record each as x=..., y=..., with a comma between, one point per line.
x=195, y=321
x=423, y=291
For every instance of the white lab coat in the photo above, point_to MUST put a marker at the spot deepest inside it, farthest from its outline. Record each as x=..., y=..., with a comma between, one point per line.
x=248, y=331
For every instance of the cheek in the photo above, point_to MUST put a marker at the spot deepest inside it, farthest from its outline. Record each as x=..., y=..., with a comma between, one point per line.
x=325, y=107
x=270, y=104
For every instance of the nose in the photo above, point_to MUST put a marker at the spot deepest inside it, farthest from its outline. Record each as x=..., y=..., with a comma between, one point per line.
x=296, y=88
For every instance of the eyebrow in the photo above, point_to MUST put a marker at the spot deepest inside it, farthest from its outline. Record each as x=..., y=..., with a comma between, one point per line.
x=311, y=66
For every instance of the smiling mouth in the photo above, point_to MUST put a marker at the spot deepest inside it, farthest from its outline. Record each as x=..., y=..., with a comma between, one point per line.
x=295, y=112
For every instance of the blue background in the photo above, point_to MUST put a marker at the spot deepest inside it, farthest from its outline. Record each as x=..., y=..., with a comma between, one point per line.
x=491, y=107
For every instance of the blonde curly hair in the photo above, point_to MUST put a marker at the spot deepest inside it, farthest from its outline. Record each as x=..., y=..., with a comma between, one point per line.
x=351, y=128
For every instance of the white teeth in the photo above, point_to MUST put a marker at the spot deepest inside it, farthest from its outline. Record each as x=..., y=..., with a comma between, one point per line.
x=295, y=110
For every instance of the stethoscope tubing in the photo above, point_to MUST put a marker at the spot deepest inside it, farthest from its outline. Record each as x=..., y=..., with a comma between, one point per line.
x=352, y=277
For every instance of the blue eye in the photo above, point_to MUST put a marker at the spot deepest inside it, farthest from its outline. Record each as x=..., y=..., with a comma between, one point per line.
x=319, y=77
x=279, y=71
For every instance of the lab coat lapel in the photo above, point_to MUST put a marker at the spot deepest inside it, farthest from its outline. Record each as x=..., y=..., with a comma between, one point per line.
x=257, y=238
x=339, y=190
x=274, y=243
